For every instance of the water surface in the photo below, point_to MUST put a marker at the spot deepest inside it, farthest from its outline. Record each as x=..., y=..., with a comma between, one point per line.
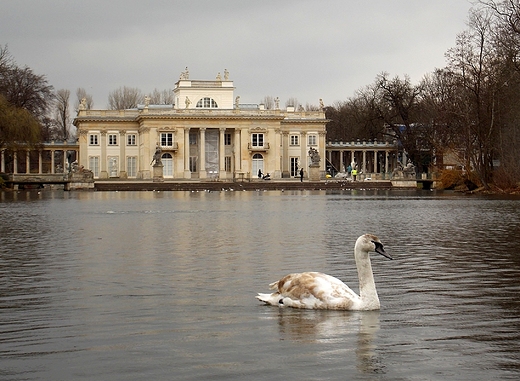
x=161, y=285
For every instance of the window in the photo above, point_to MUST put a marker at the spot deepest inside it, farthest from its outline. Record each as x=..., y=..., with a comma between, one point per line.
x=93, y=165
x=166, y=139
x=294, y=166
x=312, y=140
x=227, y=163
x=258, y=163
x=131, y=166
x=295, y=140
x=193, y=139
x=167, y=160
x=193, y=163
x=131, y=140
x=227, y=139
x=257, y=140
x=93, y=140
x=207, y=103
x=112, y=139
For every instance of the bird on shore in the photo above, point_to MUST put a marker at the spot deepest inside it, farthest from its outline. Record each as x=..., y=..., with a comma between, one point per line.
x=315, y=290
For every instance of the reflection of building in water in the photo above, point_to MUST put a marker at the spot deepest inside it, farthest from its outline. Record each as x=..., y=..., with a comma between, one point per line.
x=207, y=133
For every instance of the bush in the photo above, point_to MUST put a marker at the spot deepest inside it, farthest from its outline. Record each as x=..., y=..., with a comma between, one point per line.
x=459, y=180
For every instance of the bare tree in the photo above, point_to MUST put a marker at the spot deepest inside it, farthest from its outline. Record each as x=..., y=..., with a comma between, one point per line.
x=81, y=94
x=164, y=97
x=268, y=102
x=292, y=102
x=125, y=98
x=22, y=87
x=62, y=113
x=24, y=101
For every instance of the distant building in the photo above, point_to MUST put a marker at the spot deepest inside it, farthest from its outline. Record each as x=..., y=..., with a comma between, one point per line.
x=206, y=134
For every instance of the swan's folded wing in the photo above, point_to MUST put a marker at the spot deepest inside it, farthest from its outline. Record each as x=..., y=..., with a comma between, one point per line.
x=315, y=290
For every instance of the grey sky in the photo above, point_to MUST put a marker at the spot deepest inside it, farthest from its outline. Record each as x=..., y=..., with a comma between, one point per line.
x=306, y=49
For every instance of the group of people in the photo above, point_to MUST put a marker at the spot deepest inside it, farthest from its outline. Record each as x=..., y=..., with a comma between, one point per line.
x=352, y=171
x=267, y=176
x=263, y=176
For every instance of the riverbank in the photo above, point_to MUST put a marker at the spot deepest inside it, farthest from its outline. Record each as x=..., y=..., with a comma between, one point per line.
x=187, y=185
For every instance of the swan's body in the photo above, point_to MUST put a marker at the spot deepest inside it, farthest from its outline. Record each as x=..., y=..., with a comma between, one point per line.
x=315, y=290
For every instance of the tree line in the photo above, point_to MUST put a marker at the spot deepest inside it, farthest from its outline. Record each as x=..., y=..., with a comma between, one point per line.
x=470, y=107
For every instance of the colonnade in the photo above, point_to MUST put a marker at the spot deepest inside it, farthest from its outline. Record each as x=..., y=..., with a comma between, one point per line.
x=369, y=157
x=10, y=159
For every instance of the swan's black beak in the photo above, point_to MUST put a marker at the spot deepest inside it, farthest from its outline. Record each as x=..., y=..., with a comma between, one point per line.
x=380, y=250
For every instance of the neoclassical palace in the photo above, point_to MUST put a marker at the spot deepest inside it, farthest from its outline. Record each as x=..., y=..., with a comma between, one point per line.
x=206, y=134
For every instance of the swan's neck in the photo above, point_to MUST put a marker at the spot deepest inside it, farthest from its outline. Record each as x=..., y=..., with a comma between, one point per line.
x=367, y=286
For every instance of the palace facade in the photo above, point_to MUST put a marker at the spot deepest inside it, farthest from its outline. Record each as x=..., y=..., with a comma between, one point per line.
x=206, y=134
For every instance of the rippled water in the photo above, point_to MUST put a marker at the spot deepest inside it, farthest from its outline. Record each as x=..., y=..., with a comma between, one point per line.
x=161, y=285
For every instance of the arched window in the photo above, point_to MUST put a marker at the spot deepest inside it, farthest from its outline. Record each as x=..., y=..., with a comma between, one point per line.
x=167, y=160
x=207, y=103
x=258, y=163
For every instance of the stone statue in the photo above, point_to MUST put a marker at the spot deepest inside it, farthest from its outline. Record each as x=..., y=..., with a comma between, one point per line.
x=185, y=74
x=83, y=104
x=322, y=106
x=277, y=103
x=409, y=167
x=219, y=78
x=226, y=74
x=157, y=156
x=187, y=102
x=147, y=100
x=237, y=102
x=315, y=156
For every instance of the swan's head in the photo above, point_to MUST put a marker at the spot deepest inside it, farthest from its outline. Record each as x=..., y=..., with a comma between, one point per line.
x=369, y=242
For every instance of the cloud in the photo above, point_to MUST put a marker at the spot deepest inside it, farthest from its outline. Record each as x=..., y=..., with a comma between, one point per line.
x=303, y=49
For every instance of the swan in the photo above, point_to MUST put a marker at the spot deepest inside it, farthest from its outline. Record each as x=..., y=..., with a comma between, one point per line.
x=314, y=290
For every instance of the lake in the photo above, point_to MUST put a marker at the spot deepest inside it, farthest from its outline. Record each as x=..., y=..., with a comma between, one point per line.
x=161, y=286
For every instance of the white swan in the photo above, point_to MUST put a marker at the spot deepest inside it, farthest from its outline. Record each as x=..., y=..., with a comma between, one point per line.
x=315, y=290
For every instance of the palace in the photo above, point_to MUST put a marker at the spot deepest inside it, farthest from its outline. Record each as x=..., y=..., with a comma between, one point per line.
x=206, y=134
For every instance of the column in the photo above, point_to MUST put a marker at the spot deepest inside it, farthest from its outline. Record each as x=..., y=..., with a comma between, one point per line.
x=27, y=161
x=222, y=153
x=386, y=161
x=2, y=161
x=40, y=162
x=15, y=161
x=285, y=155
x=237, y=149
x=202, y=150
x=103, y=174
x=52, y=162
x=303, y=155
x=321, y=149
x=364, y=166
x=341, y=164
x=187, y=173
x=122, y=155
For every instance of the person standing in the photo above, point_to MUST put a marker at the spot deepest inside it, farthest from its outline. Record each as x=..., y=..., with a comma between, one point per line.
x=301, y=175
x=354, y=174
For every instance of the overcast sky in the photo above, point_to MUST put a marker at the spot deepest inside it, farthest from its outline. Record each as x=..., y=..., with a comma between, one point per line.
x=305, y=49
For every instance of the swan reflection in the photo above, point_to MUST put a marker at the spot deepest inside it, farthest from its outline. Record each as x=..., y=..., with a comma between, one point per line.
x=337, y=332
